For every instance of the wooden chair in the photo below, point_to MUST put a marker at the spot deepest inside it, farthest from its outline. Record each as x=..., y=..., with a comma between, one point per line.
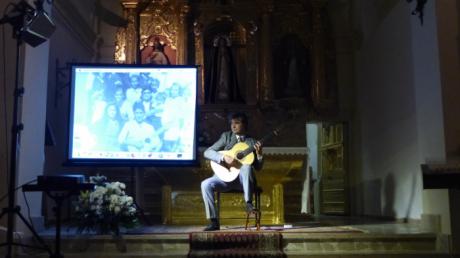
x=256, y=213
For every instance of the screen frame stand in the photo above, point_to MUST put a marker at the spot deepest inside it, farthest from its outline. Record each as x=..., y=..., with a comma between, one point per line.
x=137, y=176
x=13, y=209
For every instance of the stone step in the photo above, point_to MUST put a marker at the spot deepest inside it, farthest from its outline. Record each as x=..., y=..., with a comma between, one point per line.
x=322, y=245
x=298, y=244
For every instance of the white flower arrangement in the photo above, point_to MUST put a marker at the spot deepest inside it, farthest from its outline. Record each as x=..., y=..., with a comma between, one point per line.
x=106, y=208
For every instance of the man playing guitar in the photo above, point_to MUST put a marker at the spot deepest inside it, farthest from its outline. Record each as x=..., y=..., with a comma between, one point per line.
x=228, y=155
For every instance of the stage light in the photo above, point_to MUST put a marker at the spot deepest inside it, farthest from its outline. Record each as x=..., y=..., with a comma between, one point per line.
x=32, y=26
x=38, y=29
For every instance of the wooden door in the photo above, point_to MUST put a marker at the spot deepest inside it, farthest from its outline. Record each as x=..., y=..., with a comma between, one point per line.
x=333, y=169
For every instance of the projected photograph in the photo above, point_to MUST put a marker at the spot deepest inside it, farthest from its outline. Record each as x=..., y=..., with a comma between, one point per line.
x=133, y=113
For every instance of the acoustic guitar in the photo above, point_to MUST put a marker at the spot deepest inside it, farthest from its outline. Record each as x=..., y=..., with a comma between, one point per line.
x=242, y=153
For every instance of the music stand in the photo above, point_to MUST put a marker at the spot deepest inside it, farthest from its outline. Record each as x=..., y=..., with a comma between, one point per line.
x=17, y=18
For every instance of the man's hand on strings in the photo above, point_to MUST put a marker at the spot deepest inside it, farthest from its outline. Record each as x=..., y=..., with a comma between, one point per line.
x=258, y=148
x=228, y=160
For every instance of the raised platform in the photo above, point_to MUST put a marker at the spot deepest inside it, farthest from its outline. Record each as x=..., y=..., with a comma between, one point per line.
x=326, y=238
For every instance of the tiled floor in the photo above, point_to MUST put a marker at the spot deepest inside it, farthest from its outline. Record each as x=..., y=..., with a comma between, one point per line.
x=323, y=224
x=323, y=237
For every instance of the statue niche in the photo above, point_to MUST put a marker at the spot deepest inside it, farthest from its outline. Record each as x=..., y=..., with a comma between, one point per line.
x=224, y=63
x=292, y=69
x=157, y=50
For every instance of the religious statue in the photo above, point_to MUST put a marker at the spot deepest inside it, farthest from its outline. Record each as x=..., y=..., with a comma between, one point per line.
x=222, y=81
x=293, y=72
x=158, y=55
x=293, y=65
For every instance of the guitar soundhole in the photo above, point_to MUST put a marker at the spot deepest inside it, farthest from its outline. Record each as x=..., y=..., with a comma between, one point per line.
x=234, y=164
x=240, y=155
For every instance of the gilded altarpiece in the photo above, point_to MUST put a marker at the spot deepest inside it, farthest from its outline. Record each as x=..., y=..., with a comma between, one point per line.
x=164, y=20
x=183, y=204
x=333, y=167
x=258, y=31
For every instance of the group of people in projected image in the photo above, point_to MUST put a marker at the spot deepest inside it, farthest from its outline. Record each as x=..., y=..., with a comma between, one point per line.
x=134, y=113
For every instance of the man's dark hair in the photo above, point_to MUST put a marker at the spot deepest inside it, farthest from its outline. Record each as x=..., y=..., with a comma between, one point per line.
x=240, y=116
x=138, y=105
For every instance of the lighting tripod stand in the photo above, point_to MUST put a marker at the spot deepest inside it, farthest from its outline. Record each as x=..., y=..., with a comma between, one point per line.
x=34, y=27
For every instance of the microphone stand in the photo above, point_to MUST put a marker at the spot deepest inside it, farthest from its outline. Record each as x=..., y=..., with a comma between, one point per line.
x=17, y=21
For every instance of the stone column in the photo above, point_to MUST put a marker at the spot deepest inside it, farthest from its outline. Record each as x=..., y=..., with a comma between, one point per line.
x=183, y=35
x=318, y=81
x=199, y=58
x=252, y=91
x=266, y=68
x=131, y=36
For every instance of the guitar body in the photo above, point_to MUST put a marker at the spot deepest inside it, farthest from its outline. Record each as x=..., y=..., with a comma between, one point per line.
x=228, y=174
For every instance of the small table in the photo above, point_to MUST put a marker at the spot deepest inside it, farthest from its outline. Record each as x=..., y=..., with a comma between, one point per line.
x=58, y=192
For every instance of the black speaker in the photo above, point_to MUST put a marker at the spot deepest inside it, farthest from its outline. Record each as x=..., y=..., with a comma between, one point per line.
x=38, y=29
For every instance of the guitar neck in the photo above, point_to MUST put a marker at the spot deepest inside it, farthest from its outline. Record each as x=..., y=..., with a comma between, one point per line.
x=251, y=148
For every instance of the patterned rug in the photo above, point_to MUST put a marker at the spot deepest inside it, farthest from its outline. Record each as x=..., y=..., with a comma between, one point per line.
x=310, y=228
x=236, y=244
x=306, y=229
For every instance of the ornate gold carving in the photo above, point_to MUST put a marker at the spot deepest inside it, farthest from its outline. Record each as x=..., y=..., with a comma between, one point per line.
x=268, y=7
x=241, y=30
x=197, y=28
x=278, y=200
x=160, y=21
x=233, y=200
x=266, y=59
x=186, y=201
x=252, y=28
x=125, y=37
x=265, y=201
x=292, y=20
x=166, y=204
x=161, y=18
x=185, y=9
x=331, y=134
x=120, y=46
x=316, y=15
x=129, y=4
x=186, y=206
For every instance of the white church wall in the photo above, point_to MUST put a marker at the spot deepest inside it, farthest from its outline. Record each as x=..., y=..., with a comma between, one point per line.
x=448, y=22
x=86, y=38
x=312, y=150
x=428, y=88
x=106, y=33
x=73, y=41
x=396, y=81
x=32, y=138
